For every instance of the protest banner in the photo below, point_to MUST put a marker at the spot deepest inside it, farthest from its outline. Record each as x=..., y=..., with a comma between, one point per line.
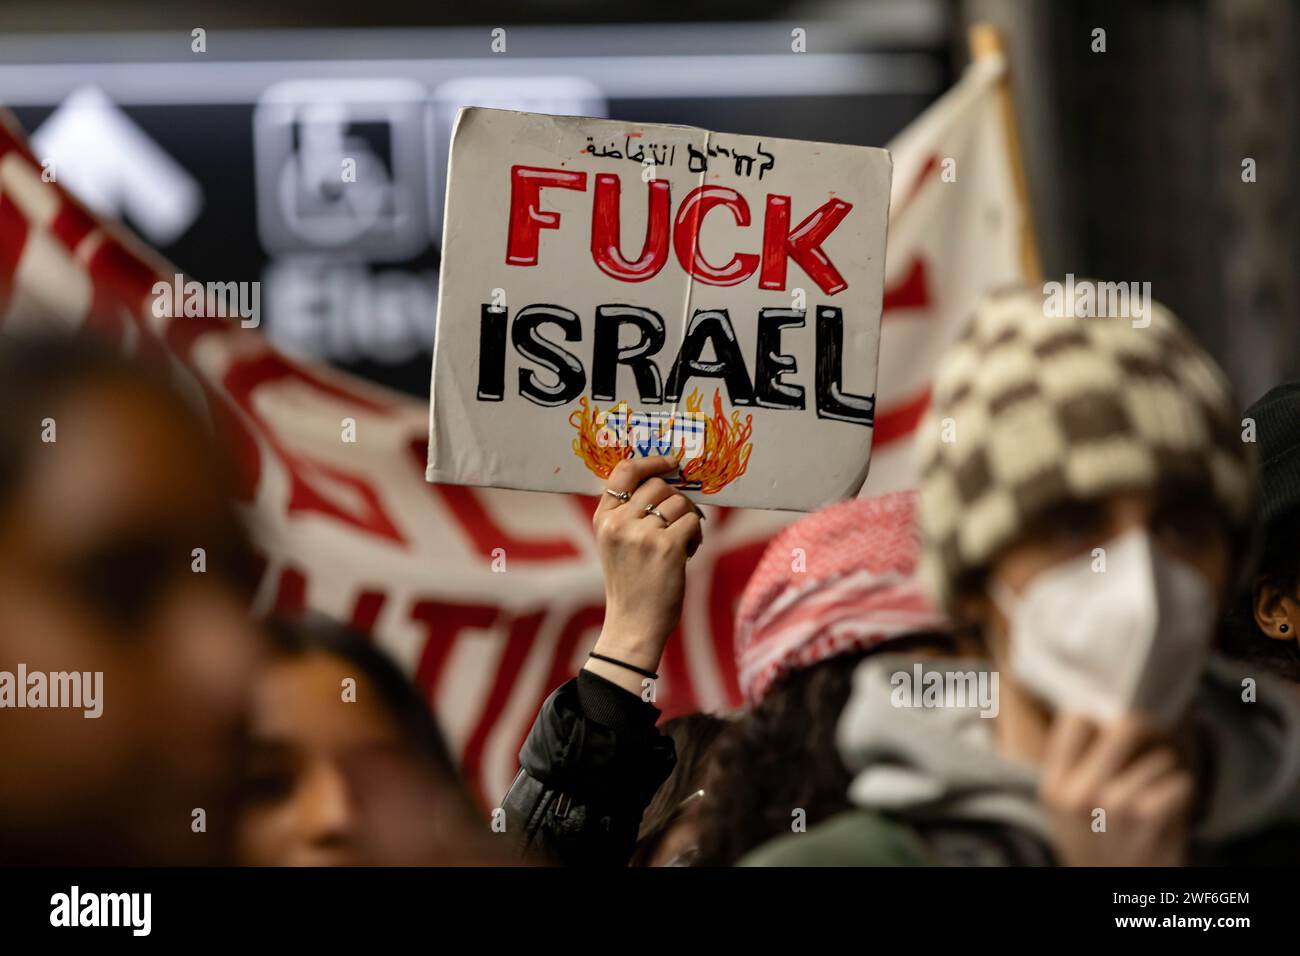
x=611, y=289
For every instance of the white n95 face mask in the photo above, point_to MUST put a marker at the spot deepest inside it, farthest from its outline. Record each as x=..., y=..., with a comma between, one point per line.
x=1131, y=638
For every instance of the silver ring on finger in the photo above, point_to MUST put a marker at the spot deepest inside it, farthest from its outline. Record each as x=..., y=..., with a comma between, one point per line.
x=622, y=496
x=652, y=510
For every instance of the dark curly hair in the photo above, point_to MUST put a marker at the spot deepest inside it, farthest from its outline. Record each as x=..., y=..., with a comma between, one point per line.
x=782, y=756
x=694, y=736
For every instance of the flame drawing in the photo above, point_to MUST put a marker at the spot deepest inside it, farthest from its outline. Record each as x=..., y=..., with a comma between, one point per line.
x=726, y=447
x=725, y=455
x=592, y=445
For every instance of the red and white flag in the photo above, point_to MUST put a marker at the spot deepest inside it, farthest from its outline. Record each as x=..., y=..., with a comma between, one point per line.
x=955, y=230
x=491, y=598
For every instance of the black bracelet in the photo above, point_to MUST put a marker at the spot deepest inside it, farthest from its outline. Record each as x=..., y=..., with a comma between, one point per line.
x=632, y=667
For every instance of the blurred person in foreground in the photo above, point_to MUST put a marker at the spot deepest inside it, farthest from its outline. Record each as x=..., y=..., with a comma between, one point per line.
x=1264, y=628
x=1086, y=504
x=831, y=589
x=108, y=484
x=348, y=766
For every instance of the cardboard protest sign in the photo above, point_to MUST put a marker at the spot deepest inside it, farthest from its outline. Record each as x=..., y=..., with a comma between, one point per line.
x=611, y=289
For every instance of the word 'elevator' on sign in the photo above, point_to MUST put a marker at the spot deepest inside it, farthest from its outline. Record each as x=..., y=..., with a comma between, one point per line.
x=613, y=289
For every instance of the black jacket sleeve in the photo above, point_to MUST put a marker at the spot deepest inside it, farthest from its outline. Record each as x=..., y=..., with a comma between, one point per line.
x=589, y=767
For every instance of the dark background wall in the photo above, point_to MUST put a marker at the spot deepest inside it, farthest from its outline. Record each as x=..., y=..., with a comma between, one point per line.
x=1135, y=159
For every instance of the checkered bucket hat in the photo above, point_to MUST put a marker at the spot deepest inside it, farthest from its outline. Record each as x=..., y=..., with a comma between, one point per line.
x=1030, y=410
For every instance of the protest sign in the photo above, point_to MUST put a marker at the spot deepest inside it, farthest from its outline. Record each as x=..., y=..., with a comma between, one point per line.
x=611, y=289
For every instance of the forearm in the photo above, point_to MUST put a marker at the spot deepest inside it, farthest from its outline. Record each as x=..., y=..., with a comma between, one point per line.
x=640, y=651
x=593, y=759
